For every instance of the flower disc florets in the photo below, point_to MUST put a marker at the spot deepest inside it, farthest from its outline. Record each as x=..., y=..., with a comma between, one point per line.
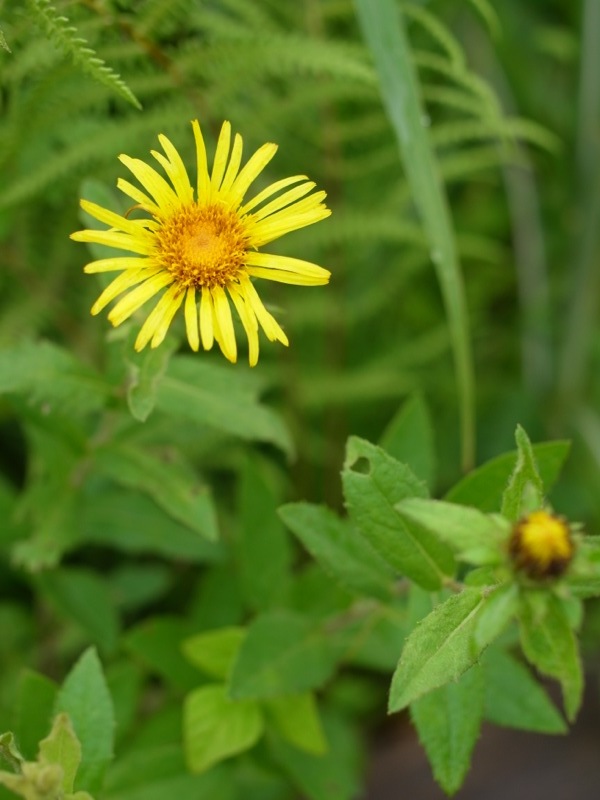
x=541, y=545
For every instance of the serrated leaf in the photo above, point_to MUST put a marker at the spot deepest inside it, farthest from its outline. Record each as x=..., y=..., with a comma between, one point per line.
x=525, y=490
x=296, y=717
x=339, y=549
x=212, y=395
x=84, y=696
x=475, y=537
x=34, y=704
x=172, y=485
x=62, y=747
x=214, y=651
x=484, y=486
x=502, y=604
x=439, y=649
x=514, y=698
x=448, y=721
x=262, y=546
x=409, y=438
x=85, y=598
x=370, y=498
x=283, y=653
x=216, y=727
x=550, y=645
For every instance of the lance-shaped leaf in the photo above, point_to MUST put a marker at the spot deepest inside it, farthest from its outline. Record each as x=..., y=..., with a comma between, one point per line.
x=340, y=549
x=374, y=483
x=439, y=649
x=525, y=490
x=296, y=718
x=475, y=537
x=550, y=645
x=62, y=747
x=448, y=721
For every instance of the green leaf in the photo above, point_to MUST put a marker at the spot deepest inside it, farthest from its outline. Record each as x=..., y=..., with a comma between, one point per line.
x=484, y=486
x=514, y=698
x=550, y=645
x=475, y=537
x=409, y=439
x=85, y=598
x=525, y=490
x=136, y=585
x=448, y=721
x=383, y=28
x=124, y=680
x=146, y=371
x=438, y=650
x=262, y=545
x=335, y=775
x=34, y=704
x=157, y=642
x=9, y=750
x=84, y=696
x=296, y=718
x=172, y=485
x=133, y=523
x=222, y=398
x=62, y=747
x=373, y=483
x=283, y=653
x=214, y=651
x=55, y=529
x=216, y=727
x=502, y=604
x=339, y=549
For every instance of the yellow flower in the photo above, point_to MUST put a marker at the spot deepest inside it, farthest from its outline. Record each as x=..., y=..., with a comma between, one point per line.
x=203, y=253
x=541, y=545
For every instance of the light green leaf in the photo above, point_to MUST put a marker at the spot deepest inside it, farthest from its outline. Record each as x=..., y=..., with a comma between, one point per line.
x=438, y=650
x=262, y=546
x=339, y=549
x=409, y=439
x=475, y=537
x=502, y=604
x=215, y=727
x=483, y=488
x=383, y=28
x=283, y=653
x=214, y=651
x=171, y=484
x=514, y=698
x=373, y=484
x=84, y=696
x=62, y=747
x=9, y=750
x=525, y=490
x=550, y=645
x=222, y=398
x=296, y=718
x=34, y=704
x=85, y=598
x=145, y=374
x=448, y=721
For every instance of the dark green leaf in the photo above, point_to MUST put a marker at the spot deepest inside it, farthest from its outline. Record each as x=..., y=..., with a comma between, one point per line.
x=409, y=439
x=484, y=486
x=525, y=490
x=550, y=645
x=283, y=653
x=448, y=721
x=216, y=727
x=438, y=650
x=514, y=698
x=84, y=696
x=157, y=642
x=220, y=397
x=340, y=550
x=124, y=680
x=145, y=373
x=34, y=705
x=373, y=484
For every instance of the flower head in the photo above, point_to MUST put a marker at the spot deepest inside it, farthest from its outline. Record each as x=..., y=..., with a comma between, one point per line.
x=541, y=545
x=198, y=247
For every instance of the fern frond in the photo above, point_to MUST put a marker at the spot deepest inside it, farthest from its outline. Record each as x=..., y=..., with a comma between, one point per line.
x=438, y=31
x=489, y=16
x=461, y=131
x=65, y=36
x=451, y=98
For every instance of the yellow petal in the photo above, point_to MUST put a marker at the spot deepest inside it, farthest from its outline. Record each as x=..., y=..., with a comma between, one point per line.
x=141, y=243
x=116, y=264
x=280, y=276
x=220, y=160
x=267, y=230
x=177, y=171
x=206, y=319
x=154, y=319
x=138, y=296
x=155, y=184
x=250, y=172
x=167, y=318
x=225, y=324
x=233, y=167
x=191, y=318
x=314, y=274
x=268, y=322
x=249, y=322
x=136, y=194
x=284, y=200
x=110, y=218
x=201, y=164
x=122, y=282
x=272, y=189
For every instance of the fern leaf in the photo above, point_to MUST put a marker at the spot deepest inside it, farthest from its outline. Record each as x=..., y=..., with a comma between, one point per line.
x=489, y=15
x=437, y=31
x=65, y=36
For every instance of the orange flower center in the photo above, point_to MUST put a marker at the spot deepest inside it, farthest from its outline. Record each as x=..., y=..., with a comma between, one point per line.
x=202, y=245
